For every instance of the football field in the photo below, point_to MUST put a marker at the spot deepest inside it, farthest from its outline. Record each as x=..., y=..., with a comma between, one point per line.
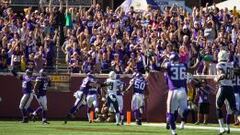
x=84, y=128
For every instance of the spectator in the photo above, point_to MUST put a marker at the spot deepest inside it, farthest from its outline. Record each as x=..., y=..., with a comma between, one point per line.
x=75, y=64
x=40, y=59
x=202, y=99
x=151, y=36
x=88, y=66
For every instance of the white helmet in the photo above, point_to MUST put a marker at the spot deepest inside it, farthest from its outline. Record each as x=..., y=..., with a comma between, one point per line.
x=112, y=75
x=223, y=56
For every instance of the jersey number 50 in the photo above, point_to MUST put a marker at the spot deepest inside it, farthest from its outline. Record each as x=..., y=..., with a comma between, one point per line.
x=139, y=85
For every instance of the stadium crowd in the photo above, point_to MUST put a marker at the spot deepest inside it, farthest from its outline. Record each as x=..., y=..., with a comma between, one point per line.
x=99, y=41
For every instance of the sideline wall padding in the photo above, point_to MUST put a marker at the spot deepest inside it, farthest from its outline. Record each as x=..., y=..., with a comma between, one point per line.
x=59, y=103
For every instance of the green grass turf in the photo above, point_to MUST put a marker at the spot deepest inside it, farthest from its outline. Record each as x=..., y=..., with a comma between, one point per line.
x=84, y=128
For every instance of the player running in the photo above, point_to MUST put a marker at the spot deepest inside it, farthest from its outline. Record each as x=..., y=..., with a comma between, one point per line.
x=111, y=94
x=139, y=85
x=225, y=94
x=177, y=83
x=40, y=91
x=80, y=95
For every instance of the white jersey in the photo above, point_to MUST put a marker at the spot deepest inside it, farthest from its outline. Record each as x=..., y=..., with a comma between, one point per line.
x=112, y=86
x=227, y=69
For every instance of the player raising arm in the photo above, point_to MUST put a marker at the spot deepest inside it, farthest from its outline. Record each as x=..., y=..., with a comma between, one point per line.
x=176, y=74
x=139, y=85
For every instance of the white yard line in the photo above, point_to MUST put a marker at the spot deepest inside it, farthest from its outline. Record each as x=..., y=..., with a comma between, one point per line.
x=163, y=125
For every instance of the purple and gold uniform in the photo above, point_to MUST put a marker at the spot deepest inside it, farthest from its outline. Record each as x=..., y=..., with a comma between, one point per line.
x=27, y=85
x=81, y=95
x=177, y=81
x=27, y=97
x=176, y=76
x=139, y=85
x=236, y=88
x=92, y=98
x=42, y=83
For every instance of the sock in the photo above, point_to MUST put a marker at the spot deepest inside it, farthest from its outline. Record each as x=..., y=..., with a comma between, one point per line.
x=228, y=118
x=173, y=132
x=122, y=116
x=185, y=115
x=44, y=115
x=176, y=115
x=117, y=117
x=88, y=115
x=137, y=115
x=171, y=121
x=228, y=126
x=181, y=126
x=220, y=121
x=23, y=112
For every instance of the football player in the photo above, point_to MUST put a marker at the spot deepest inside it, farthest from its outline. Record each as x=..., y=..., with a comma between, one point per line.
x=120, y=86
x=40, y=91
x=92, y=100
x=177, y=83
x=139, y=85
x=80, y=95
x=111, y=94
x=27, y=86
x=237, y=97
x=225, y=94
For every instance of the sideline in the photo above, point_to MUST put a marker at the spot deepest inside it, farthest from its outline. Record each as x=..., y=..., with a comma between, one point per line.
x=163, y=125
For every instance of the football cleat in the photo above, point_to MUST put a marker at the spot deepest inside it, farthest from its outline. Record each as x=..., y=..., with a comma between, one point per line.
x=197, y=123
x=122, y=123
x=221, y=133
x=33, y=117
x=67, y=118
x=45, y=122
x=167, y=126
x=139, y=122
x=24, y=120
x=228, y=131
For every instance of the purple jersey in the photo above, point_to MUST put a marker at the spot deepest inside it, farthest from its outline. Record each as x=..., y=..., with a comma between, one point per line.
x=236, y=84
x=42, y=89
x=27, y=84
x=139, y=84
x=85, y=84
x=120, y=85
x=176, y=76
